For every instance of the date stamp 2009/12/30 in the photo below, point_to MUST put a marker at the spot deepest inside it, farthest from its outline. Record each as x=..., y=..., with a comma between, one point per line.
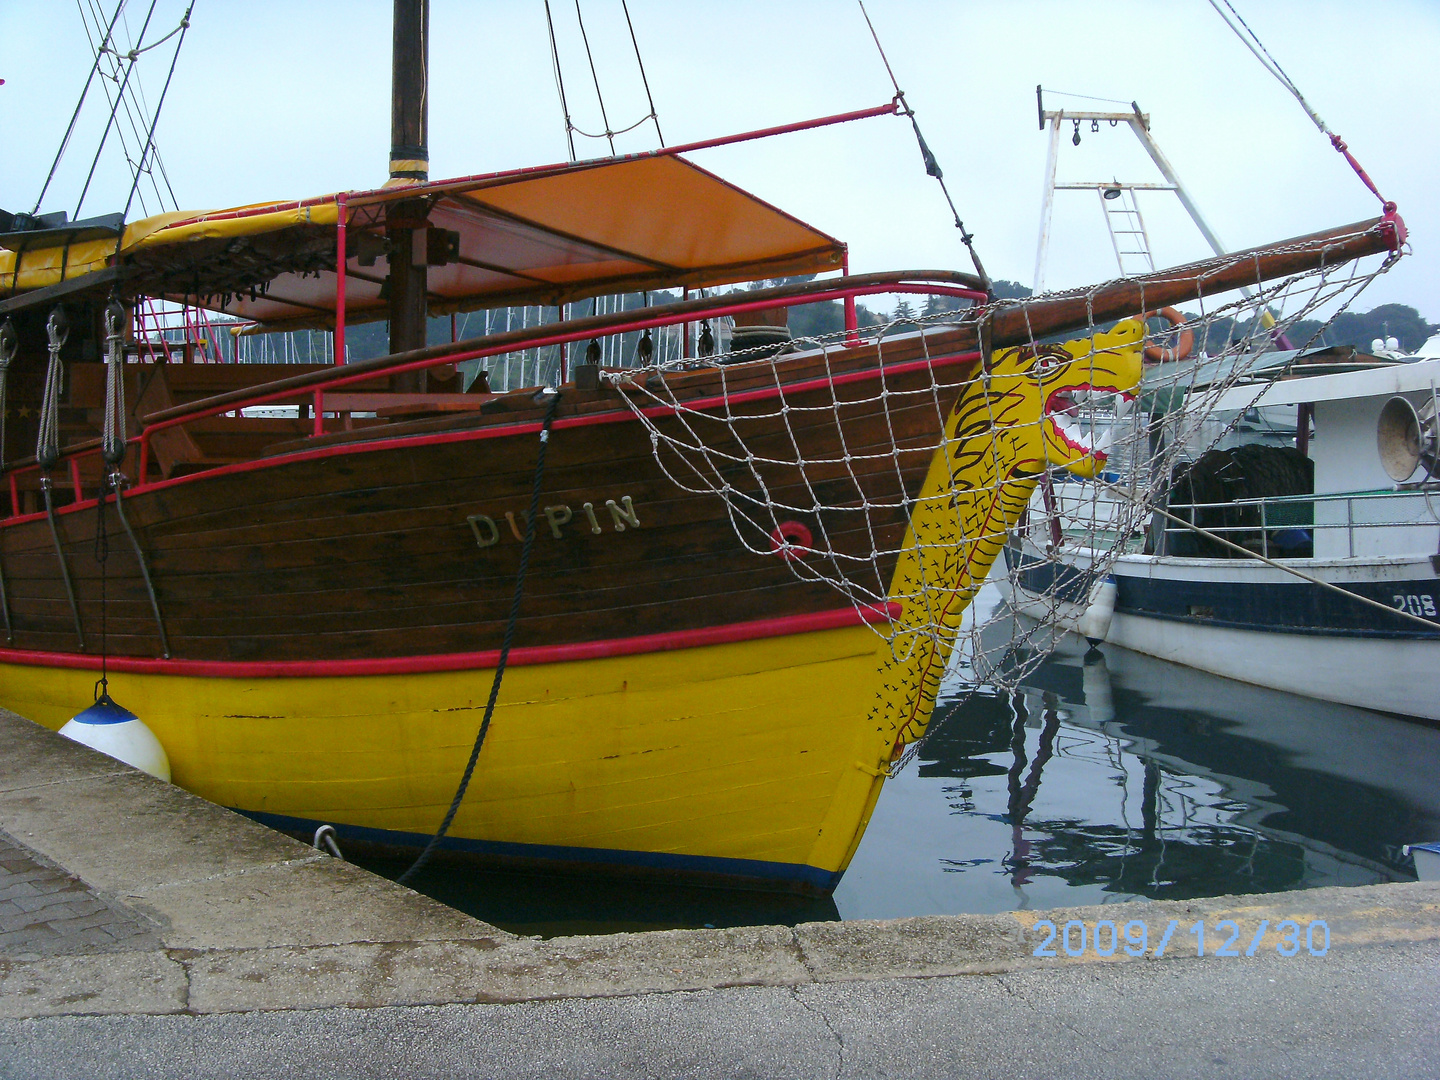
x=1105, y=939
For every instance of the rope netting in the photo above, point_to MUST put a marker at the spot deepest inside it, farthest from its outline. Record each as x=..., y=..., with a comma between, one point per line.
x=898, y=474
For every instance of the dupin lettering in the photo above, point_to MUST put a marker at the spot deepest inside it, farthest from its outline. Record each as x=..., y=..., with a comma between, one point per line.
x=620, y=515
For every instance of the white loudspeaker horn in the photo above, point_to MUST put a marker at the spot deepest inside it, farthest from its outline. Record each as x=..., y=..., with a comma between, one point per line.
x=1407, y=439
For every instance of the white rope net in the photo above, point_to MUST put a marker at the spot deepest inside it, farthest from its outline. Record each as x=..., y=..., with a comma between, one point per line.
x=913, y=486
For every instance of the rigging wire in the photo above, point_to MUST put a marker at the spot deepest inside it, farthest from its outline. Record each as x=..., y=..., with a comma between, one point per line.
x=134, y=54
x=134, y=102
x=609, y=135
x=1252, y=42
x=75, y=116
x=137, y=92
x=932, y=166
x=646, y=82
x=1087, y=97
x=609, y=132
x=617, y=131
x=111, y=122
x=560, y=81
x=159, y=105
x=112, y=73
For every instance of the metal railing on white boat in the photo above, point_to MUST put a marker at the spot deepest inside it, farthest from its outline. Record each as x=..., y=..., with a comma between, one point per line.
x=1405, y=509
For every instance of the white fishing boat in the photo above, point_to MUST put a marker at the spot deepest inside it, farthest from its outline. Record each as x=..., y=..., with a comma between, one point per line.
x=1329, y=592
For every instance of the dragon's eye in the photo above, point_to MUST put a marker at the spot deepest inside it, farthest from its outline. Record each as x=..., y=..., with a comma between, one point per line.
x=1045, y=366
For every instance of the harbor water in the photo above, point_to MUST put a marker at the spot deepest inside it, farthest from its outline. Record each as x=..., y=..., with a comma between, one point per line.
x=1106, y=776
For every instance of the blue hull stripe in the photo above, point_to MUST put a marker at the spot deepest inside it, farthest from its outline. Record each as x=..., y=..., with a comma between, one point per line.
x=1270, y=607
x=752, y=872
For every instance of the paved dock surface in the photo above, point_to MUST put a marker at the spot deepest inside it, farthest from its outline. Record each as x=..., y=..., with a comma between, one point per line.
x=145, y=932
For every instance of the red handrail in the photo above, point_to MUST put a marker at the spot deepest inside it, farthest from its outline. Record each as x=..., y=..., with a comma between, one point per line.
x=339, y=377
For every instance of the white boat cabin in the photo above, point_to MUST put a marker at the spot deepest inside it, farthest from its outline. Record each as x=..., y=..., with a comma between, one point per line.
x=1358, y=506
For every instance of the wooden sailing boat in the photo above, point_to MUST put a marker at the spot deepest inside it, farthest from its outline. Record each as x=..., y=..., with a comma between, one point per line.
x=745, y=578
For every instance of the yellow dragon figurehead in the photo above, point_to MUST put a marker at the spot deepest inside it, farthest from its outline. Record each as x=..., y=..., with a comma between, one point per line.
x=1034, y=402
x=1008, y=426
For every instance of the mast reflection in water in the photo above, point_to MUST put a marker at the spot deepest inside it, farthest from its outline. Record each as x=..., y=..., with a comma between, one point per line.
x=1116, y=776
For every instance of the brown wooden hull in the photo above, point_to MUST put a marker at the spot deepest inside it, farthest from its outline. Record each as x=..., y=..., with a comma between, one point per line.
x=362, y=548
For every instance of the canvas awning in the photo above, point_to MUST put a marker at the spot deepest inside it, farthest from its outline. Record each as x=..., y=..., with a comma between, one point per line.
x=540, y=236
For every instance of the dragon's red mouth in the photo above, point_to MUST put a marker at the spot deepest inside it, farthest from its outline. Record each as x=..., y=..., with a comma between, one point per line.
x=1066, y=404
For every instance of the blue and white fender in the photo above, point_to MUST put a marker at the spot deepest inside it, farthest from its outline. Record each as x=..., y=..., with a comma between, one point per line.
x=118, y=732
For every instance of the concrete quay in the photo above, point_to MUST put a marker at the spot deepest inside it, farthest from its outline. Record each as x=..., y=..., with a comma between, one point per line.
x=146, y=932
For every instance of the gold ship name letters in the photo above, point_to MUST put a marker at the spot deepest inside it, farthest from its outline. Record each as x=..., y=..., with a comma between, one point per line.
x=622, y=516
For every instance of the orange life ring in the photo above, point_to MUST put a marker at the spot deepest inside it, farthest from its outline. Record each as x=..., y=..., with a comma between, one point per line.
x=1155, y=354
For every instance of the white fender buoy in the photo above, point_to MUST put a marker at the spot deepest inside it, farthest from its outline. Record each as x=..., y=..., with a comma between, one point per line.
x=1427, y=860
x=121, y=734
x=1095, y=623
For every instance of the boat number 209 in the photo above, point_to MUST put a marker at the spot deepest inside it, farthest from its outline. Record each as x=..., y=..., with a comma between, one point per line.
x=1422, y=604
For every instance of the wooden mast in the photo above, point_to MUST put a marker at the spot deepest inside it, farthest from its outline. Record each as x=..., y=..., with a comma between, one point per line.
x=405, y=221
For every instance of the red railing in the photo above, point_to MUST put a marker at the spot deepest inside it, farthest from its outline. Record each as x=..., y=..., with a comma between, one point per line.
x=155, y=327
x=313, y=386
x=341, y=378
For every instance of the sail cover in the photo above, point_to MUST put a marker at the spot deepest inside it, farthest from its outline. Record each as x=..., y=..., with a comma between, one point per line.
x=548, y=235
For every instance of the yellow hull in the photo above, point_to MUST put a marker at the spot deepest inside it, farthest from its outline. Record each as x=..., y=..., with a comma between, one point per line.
x=750, y=759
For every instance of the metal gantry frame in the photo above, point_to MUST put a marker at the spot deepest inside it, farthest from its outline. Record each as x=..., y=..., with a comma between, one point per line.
x=1139, y=123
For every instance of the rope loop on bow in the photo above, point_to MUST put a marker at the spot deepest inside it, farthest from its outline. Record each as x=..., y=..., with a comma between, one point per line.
x=112, y=439
x=47, y=441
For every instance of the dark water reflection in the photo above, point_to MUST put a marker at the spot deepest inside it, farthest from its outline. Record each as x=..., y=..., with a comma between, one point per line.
x=561, y=905
x=1102, y=779
x=1116, y=776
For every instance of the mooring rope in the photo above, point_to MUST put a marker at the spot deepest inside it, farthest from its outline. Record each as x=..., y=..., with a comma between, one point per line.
x=509, y=640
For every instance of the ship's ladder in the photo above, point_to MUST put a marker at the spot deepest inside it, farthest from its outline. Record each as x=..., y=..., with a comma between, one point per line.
x=1127, y=229
x=1118, y=198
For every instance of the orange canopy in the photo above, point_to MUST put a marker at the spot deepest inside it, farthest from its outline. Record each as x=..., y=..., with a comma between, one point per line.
x=538, y=236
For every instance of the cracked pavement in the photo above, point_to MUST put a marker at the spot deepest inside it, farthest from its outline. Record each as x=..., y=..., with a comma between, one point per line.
x=1360, y=1015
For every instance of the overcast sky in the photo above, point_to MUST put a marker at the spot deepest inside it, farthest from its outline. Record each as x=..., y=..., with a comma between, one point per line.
x=282, y=100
